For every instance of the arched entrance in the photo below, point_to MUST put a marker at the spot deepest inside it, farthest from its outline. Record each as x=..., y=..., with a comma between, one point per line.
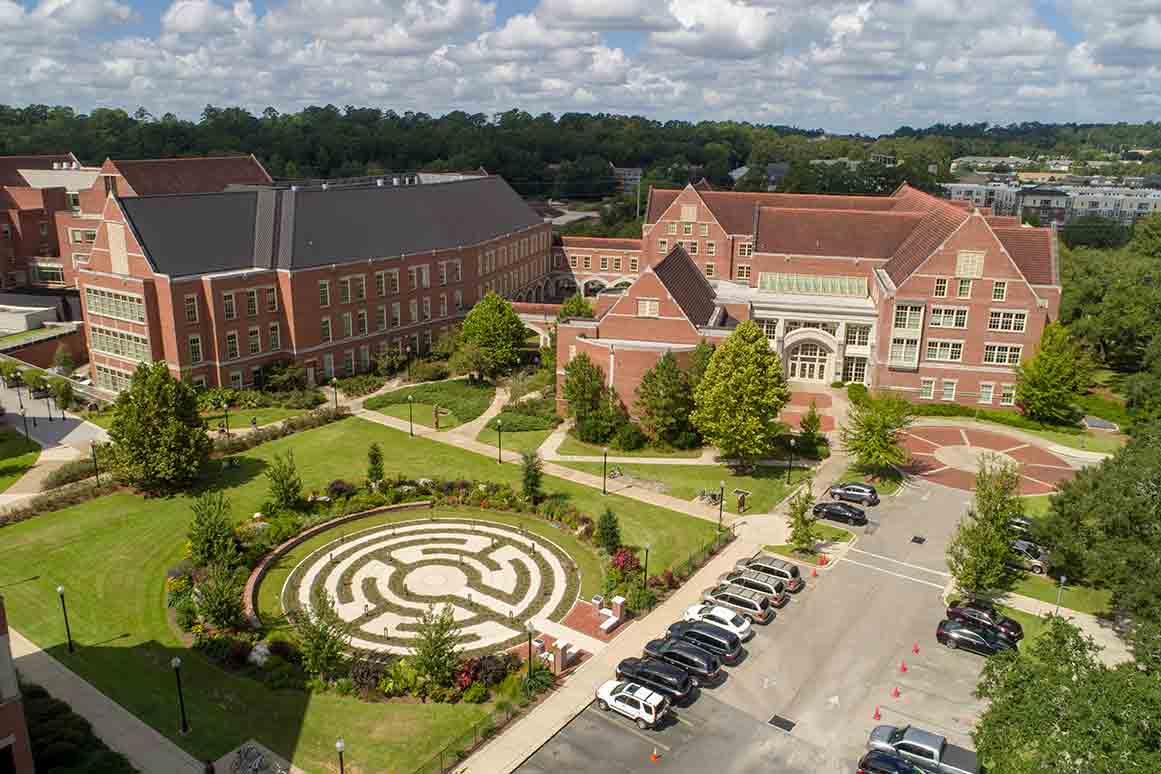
x=808, y=361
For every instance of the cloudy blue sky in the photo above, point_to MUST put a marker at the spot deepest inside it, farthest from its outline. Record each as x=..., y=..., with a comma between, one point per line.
x=843, y=66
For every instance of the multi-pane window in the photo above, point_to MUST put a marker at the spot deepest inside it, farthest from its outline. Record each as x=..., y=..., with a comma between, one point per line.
x=443, y=273
x=231, y=346
x=348, y=325
x=948, y=351
x=380, y=284
x=112, y=379
x=191, y=309
x=271, y=299
x=443, y=305
x=711, y=248
x=381, y=318
x=693, y=248
x=349, y=363
x=361, y=322
x=1002, y=354
x=633, y=264
x=195, y=349
x=710, y=270
x=746, y=249
x=274, y=337
x=255, y=341
x=1015, y=322
x=855, y=369
x=948, y=388
x=459, y=300
x=395, y=315
x=703, y=229
x=236, y=380
x=670, y=228
x=969, y=263
x=426, y=308
x=124, y=345
x=941, y=288
x=908, y=316
x=663, y=246
x=770, y=328
x=858, y=335
x=228, y=309
x=412, y=278
x=425, y=275
x=587, y=262
x=457, y=271
x=413, y=310
x=1007, y=394
x=963, y=288
x=325, y=329
x=604, y=263
x=251, y=303
x=743, y=272
x=344, y=291
x=616, y=263
x=393, y=282
x=927, y=389
x=948, y=317
x=687, y=229
x=110, y=304
x=324, y=293
x=999, y=292
x=360, y=284
x=648, y=307
x=572, y=261
x=987, y=390
x=904, y=351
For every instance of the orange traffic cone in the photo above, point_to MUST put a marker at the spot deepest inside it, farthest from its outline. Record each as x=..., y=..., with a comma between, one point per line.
x=915, y=649
x=902, y=666
x=814, y=572
x=654, y=756
x=878, y=715
x=895, y=692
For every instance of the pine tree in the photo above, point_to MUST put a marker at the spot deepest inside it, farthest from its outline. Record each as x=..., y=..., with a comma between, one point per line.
x=211, y=535
x=532, y=474
x=583, y=385
x=1049, y=384
x=374, y=464
x=323, y=636
x=810, y=425
x=665, y=402
x=738, y=400
x=62, y=361
x=608, y=534
x=437, y=637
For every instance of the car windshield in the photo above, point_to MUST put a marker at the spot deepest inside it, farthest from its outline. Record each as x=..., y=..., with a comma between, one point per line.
x=618, y=689
x=793, y=570
x=763, y=603
x=897, y=735
x=737, y=620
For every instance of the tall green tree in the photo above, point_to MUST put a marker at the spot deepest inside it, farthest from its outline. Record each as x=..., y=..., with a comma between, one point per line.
x=608, y=533
x=1147, y=236
x=979, y=553
x=211, y=533
x=810, y=425
x=1049, y=384
x=531, y=475
x=284, y=480
x=1094, y=231
x=435, y=648
x=62, y=393
x=698, y=362
x=871, y=434
x=219, y=596
x=374, y=463
x=159, y=438
x=665, y=403
x=62, y=360
x=323, y=636
x=803, y=528
x=738, y=400
x=493, y=326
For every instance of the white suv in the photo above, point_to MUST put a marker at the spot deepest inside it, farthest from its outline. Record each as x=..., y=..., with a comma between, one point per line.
x=721, y=617
x=636, y=702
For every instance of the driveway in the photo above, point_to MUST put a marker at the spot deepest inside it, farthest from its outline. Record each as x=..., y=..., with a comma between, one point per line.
x=69, y=431
x=833, y=655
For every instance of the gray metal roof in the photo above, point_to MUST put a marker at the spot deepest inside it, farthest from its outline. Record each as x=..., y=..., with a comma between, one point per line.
x=311, y=227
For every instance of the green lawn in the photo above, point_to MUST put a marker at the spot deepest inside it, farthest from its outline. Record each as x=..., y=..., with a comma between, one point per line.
x=1105, y=406
x=1033, y=625
x=767, y=485
x=111, y=556
x=1091, y=440
x=463, y=400
x=574, y=447
x=1083, y=599
x=887, y=485
x=422, y=414
x=523, y=441
x=99, y=418
x=17, y=455
x=1036, y=507
x=22, y=336
x=827, y=534
x=240, y=417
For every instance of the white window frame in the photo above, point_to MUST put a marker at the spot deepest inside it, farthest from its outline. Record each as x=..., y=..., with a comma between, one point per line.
x=254, y=340
x=960, y=285
x=945, y=351
x=324, y=293
x=634, y=265
x=232, y=336
x=1007, y=395
x=940, y=290
x=927, y=388
x=943, y=385
x=1002, y=287
x=743, y=272
x=1018, y=320
x=195, y=343
x=229, y=307
x=904, y=343
x=648, y=307
x=1008, y=349
x=746, y=249
x=274, y=337
x=937, y=317
x=326, y=330
x=913, y=320
x=191, y=308
x=988, y=389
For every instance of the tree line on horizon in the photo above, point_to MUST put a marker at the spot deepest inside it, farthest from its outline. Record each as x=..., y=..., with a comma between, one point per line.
x=540, y=155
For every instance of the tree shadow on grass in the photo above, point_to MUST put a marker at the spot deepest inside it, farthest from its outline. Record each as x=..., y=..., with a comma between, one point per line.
x=228, y=473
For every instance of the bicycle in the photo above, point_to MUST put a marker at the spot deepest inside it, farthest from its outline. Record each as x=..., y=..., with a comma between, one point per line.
x=249, y=759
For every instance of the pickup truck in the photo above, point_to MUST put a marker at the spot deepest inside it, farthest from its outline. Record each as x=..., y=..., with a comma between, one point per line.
x=929, y=751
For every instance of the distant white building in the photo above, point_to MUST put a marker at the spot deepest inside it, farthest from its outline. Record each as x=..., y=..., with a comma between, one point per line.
x=1012, y=162
x=1060, y=204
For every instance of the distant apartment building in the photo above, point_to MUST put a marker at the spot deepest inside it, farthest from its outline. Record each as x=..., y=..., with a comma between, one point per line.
x=938, y=300
x=990, y=162
x=1058, y=204
x=15, y=747
x=628, y=178
x=219, y=285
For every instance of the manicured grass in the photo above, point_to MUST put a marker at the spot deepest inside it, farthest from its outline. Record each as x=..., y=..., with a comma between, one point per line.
x=828, y=536
x=573, y=446
x=462, y=398
x=887, y=484
x=1033, y=625
x=523, y=441
x=767, y=485
x=99, y=418
x=240, y=417
x=111, y=556
x=422, y=414
x=17, y=455
x=1106, y=407
x=1092, y=440
x=1083, y=599
x=585, y=557
x=1036, y=507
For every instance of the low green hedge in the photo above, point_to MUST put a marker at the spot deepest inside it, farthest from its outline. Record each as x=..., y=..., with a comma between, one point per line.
x=515, y=423
x=464, y=399
x=364, y=384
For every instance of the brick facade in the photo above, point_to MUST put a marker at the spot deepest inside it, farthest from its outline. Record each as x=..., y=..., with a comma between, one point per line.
x=15, y=748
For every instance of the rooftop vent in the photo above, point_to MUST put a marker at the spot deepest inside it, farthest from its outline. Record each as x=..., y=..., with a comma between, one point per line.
x=394, y=181
x=379, y=182
x=324, y=186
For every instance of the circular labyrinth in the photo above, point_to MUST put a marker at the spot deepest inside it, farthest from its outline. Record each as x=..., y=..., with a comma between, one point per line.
x=382, y=580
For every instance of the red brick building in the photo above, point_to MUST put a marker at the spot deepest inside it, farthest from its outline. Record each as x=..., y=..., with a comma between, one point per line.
x=220, y=284
x=906, y=292
x=15, y=749
x=28, y=236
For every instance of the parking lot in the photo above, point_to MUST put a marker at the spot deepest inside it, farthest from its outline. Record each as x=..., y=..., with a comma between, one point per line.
x=833, y=655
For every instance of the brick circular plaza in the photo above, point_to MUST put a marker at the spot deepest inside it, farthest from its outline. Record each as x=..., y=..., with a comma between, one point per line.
x=951, y=456
x=495, y=576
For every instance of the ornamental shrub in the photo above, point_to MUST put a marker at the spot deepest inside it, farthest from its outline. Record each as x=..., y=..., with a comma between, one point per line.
x=626, y=561
x=476, y=693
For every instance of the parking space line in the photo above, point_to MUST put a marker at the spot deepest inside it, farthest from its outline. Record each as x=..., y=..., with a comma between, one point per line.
x=680, y=719
x=896, y=574
x=632, y=729
x=905, y=564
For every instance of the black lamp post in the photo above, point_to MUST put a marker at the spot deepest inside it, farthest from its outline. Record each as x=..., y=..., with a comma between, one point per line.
x=48, y=408
x=24, y=416
x=410, y=416
x=721, y=501
x=409, y=362
x=528, y=627
x=645, y=575
x=226, y=409
x=335, y=387
x=499, y=440
x=604, y=470
x=340, y=747
x=96, y=470
x=65, y=612
x=19, y=396
x=791, y=463
x=176, y=664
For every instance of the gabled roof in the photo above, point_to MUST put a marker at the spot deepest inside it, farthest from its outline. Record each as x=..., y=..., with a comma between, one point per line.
x=850, y=233
x=204, y=174
x=1033, y=250
x=940, y=220
x=1001, y=221
x=9, y=166
x=735, y=210
x=601, y=243
x=191, y=234
x=688, y=286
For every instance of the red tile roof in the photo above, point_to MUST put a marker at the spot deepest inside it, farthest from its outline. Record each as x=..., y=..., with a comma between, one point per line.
x=736, y=210
x=688, y=286
x=601, y=243
x=853, y=233
x=209, y=174
x=1002, y=221
x=10, y=164
x=1033, y=250
x=940, y=220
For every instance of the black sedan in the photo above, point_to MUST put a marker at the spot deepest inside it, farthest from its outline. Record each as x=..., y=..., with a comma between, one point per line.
x=703, y=667
x=844, y=512
x=986, y=642
x=882, y=762
x=983, y=615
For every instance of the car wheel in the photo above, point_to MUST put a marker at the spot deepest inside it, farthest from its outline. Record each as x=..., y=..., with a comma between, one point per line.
x=1037, y=570
x=604, y=705
x=951, y=644
x=641, y=724
x=694, y=682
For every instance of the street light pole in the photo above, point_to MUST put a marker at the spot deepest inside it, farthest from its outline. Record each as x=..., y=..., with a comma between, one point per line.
x=605, y=472
x=499, y=440
x=528, y=627
x=340, y=746
x=65, y=612
x=96, y=470
x=24, y=416
x=226, y=408
x=176, y=664
x=721, y=502
x=790, y=464
x=409, y=362
x=410, y=416
x=48, y=408
x=1060, y=592
x=645, y=575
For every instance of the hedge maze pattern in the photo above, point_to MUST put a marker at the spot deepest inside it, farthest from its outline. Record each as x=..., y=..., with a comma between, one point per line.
x=496, y=578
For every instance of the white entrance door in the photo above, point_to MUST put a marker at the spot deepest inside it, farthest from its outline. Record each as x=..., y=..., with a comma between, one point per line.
x=808, y=362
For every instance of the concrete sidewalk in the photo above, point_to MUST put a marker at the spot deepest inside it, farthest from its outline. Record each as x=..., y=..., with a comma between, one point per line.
x=1113, y=649
x=145, y=748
